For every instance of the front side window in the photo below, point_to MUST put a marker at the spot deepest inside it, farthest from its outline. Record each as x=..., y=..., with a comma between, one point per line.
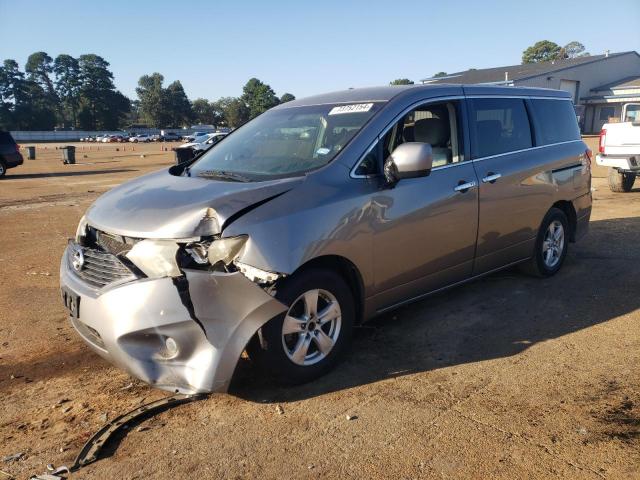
x=499, y=125
x=556, y=121
x=285, y=142
x=438, y=124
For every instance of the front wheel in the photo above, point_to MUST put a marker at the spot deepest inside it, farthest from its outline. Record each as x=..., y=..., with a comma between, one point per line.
x=308, y=340
x=621, y=181
x=3, y=169
x=551, y=245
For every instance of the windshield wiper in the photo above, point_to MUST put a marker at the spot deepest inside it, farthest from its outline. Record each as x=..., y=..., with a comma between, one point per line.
x=236, y=177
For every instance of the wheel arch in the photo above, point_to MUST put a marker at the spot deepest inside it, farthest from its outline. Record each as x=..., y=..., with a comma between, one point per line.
x=347, y=270
x=569, y=210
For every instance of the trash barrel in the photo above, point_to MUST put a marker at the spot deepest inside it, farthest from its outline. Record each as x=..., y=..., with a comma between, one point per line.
x=31, y=153
x=69, y=154
x=183, y=155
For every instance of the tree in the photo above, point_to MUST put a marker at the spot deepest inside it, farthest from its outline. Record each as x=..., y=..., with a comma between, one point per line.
x=202, y=111
x=258, y=97
x=12, y=93
x=25, y=104
x=178, y=105
x=38, y=68
x=573, y=50
x=163, y=107
x=440, y=74
x=67, y=86
x=401, y=81
x=101, y=106
x=153, y=101
x=234, y=110
x=286, y=97
x=542, y=51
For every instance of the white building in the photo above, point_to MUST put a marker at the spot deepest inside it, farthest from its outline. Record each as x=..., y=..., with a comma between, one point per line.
x=599, y=84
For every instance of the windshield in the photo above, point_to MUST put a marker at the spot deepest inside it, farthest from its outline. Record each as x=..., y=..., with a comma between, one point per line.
x=285, y=142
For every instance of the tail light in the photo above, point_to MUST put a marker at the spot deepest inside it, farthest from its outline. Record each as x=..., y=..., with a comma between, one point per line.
x=17, y=148
x=603, y=139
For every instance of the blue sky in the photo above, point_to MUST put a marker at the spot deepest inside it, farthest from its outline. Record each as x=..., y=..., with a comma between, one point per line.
x=305, y=47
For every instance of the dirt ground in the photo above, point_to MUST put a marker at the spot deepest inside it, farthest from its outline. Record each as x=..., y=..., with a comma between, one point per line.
x=507, y=377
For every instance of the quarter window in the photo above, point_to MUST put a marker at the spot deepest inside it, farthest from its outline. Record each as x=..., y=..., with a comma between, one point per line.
x=556, y=121
x=499, y=125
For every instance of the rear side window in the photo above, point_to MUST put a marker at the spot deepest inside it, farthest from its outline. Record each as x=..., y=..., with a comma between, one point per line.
x=499, y=125
x=6, y=139
x=555, y=121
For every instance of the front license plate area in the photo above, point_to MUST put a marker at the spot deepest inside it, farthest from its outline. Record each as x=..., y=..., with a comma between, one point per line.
x=71, y=302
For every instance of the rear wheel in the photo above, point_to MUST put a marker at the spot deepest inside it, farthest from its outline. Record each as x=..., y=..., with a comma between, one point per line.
x=551, y=245
x=3, y=168
x=621, y=181
x=308, y=340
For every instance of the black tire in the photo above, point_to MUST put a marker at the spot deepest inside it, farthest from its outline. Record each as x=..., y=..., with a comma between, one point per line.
x=537, y=266
x=3, y=168
x=267, y=350
x=620, y=181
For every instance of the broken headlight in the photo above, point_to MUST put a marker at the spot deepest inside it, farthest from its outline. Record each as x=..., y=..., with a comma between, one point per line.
x=223, y=250
x=81, y=231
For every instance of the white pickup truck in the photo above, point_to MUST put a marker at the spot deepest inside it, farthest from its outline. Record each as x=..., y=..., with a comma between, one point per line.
x=620, y=149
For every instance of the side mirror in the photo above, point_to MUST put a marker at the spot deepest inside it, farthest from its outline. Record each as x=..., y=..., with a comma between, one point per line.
x=408, y=160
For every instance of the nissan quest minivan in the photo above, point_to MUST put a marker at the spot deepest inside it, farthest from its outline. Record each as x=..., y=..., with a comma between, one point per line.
x=318, y=215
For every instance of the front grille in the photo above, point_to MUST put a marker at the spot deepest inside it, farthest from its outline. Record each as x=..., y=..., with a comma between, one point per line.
x=101, y=269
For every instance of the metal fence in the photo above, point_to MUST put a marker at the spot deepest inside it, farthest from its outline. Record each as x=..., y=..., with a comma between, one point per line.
x=76, y=135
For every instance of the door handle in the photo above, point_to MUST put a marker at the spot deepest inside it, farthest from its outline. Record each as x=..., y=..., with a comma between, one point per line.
x=464, y=186
x=491, y=177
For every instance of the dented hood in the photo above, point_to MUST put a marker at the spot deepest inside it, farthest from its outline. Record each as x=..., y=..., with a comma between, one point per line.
x=162, y=205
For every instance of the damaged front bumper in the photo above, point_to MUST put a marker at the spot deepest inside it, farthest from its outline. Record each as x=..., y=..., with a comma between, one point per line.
x=181, y=334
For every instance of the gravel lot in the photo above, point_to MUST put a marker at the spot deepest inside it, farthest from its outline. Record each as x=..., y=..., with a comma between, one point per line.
x=506, y=377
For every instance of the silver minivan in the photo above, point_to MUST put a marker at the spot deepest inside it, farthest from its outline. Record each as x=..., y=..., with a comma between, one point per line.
x=318, y=215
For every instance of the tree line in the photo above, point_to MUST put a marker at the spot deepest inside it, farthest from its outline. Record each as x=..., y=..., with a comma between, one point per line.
x=79, y=93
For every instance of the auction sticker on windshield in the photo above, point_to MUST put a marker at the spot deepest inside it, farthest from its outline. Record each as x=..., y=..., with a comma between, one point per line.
x=355, y=108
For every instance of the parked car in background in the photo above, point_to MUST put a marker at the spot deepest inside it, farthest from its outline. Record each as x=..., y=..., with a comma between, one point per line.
x=318, y=215
x=10, y=156
x=140, y=138
x=201, y=142
x=619, y=149
x=169, y=137
x=209, y=140
x=193, y=136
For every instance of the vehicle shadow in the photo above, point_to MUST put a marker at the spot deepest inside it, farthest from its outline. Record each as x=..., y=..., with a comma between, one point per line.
x=498, y=316
x=11, y=176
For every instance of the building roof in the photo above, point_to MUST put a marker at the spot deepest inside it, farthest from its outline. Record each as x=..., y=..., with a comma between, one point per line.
x=519, y=72
x=625, y=83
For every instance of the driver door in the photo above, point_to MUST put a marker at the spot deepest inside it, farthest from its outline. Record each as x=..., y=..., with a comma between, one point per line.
x=425, y=233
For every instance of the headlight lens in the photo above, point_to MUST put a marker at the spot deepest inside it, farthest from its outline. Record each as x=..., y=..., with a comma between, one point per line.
x=81, y=231
x=156, y=258
x=223, y=250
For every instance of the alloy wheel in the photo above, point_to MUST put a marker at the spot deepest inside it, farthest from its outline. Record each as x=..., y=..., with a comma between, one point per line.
x=311, y=327
x=553, y=244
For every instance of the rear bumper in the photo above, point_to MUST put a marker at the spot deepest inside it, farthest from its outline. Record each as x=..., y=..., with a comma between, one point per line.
x=12, y=160
x=622, y=162
x=209, y=317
